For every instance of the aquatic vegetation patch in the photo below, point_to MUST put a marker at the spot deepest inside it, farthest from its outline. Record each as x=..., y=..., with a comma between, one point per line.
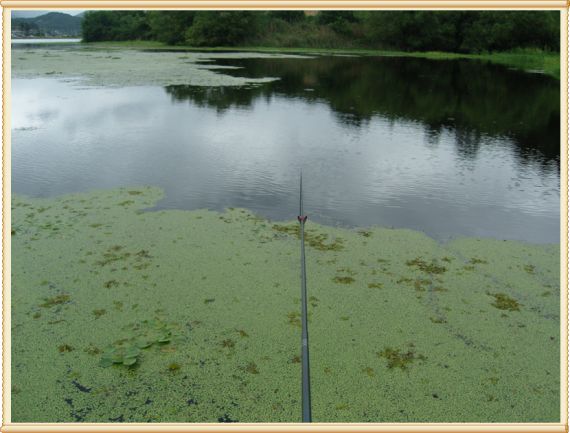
x=228, y=343
x=131, y=67
x=530, y=269
x=260, y=356
x=121, y=352
x=92, y=350
x=399, y=358
x=344, y=276
x=56, y=300
x=405, y=280
x=477, y=261
x=314, y=301
x=429, y=268
x=99, y=312
x=421, y=284
x=505, y=302
x=112, y=255
x=343, y=280
x=294, y=318
x=313, y=238
x=173, y=367
x=251, y=368
x=147, y=333
x=110, y=283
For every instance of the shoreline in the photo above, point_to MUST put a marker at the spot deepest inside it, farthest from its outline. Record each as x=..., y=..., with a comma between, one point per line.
x=525, y=60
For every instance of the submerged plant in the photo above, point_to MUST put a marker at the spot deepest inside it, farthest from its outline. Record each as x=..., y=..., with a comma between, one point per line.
x=504, y=302
x=477, y=261
x=428, y=268
x=313, y=239
x=173, y=367
x=56, y=300
x=112, y=255
x=251, y=368
x=294, y=318
x=99, y=313
x=111, y=283
x=529, y=269
x=399, y=359
x=343, y=280
x=228, y=343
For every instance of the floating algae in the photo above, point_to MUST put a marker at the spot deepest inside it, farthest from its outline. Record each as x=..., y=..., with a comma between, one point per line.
x=139, y=335
x=504, y=302
x=134, y=68
x=399, y=359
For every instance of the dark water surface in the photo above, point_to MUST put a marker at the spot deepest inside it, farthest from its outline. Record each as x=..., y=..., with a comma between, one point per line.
x=451, y=148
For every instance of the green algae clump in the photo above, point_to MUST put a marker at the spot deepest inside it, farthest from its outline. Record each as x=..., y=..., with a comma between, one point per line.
x=504, y=302
x=313, y=239
x=99, y=313
x=251, y=368
x=399, y=359
x=56, y=300
x=173, y=367
x=343, y=280
x=428, y=268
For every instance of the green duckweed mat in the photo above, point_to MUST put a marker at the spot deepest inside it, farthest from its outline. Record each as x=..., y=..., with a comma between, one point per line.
x=122, y=315
x=124, y=67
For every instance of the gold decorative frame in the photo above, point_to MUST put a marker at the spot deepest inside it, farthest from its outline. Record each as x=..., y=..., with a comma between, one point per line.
x=5, y=409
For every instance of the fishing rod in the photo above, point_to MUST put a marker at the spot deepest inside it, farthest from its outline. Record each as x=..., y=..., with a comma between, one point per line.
x=306, y=384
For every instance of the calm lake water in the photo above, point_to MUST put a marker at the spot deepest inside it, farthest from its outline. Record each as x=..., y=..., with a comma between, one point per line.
x=451, y=148
x=32, y=41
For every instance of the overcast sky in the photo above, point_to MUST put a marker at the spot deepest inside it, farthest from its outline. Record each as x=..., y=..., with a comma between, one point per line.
x=32, y=14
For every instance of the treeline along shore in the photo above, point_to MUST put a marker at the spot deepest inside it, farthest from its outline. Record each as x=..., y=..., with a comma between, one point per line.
x=449, y=31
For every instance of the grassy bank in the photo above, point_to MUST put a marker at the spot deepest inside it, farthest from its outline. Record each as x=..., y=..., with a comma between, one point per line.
x=526, y=60
x=121, y=315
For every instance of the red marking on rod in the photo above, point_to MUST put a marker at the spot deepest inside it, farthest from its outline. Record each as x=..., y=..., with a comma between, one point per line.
x=302, y=218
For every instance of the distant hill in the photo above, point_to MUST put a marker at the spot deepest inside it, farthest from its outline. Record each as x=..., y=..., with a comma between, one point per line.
x=52, y=24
